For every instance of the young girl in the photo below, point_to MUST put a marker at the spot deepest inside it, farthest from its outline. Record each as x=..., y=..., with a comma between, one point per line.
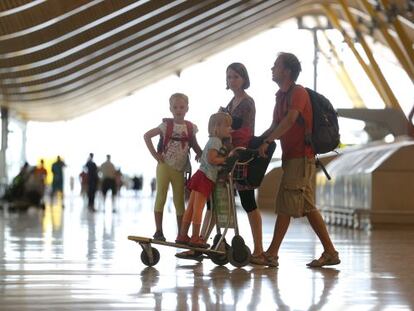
x=178, y=136
x=202, y=183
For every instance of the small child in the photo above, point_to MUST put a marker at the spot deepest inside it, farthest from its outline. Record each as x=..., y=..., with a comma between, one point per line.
x=202, y=182
x=177, y=137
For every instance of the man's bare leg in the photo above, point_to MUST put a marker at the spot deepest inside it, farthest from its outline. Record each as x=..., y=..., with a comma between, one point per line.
x=318, y=225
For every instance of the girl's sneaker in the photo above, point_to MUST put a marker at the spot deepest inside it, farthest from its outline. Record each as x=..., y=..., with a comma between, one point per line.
x=182, y=239
x=198, y=242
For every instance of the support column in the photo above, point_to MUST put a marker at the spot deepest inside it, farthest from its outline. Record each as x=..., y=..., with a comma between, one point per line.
x=23, y=156
x=4, y=143
x=316, y=49
x=391, y=100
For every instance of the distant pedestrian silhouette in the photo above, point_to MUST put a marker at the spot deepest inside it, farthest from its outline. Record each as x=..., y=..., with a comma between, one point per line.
x=92, y=176
x=109, y=175
x=57, y=182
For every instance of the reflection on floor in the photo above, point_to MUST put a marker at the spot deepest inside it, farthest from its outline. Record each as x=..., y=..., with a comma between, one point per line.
x=74, y=260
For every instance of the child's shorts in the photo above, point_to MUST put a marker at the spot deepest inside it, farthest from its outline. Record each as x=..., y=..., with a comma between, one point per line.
x=201, y=183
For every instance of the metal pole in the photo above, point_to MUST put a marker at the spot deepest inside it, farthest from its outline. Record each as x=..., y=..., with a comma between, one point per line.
x=315, y=58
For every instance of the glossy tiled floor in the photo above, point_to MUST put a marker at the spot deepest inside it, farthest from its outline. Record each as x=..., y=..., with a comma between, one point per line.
x=70, y=259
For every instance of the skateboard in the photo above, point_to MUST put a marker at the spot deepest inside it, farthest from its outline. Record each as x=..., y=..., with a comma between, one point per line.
x=237, y=254
x=225, y=217
x=150, y=255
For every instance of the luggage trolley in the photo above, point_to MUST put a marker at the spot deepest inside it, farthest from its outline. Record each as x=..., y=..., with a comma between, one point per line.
x=224, y=215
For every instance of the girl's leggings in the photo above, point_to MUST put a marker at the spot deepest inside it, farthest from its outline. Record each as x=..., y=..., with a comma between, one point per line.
x=166, y=175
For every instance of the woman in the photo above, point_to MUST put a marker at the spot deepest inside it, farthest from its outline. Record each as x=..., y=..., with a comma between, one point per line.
x=242, y=109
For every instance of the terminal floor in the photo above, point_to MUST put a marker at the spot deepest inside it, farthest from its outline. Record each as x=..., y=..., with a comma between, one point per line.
x=71, y=259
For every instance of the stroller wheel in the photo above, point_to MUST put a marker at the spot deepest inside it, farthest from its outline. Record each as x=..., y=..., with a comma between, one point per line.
x=216, y=239
x=239, y=253
x=237, y=242
x=146, y=260
x=219, y=260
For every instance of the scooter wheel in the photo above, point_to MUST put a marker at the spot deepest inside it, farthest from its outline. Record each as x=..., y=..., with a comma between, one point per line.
x=146, y=260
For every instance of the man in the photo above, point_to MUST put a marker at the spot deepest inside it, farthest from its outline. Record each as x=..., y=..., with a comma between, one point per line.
x=92, y=178
x=57, y=182
x=109, y=173
x=296, y=196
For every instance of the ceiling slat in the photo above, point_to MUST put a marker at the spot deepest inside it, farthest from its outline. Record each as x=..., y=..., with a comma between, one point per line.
x=62, y=58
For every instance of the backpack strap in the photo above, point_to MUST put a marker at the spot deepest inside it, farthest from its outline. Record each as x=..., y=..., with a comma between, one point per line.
x=308, y=132
x=168, y=131
x=170, y=128
x=300, y=120
x=190, y=132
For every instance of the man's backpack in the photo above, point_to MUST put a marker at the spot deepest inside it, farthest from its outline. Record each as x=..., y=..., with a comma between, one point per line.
x=163, y=142
x=325, y=130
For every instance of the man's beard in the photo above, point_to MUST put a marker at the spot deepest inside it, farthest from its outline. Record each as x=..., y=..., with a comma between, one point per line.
x=277, y=80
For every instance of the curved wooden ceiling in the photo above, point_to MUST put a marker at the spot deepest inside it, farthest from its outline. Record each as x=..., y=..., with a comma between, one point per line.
x=61, y=59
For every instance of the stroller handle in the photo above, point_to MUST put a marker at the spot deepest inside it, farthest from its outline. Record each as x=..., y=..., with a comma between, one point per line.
x=239, y=156
x=242, y=152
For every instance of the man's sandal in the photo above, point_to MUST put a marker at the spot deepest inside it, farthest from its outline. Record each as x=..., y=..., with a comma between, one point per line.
x=326, y=259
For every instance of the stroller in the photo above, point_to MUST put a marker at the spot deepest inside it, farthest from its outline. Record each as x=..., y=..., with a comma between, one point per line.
x=26, y=189
x=225, y=218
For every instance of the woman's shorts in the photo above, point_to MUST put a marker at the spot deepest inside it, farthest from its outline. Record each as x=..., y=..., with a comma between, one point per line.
x=296, y=196
x=199, y=182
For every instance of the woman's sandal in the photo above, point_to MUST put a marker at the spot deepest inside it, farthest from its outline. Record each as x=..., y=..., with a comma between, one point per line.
x=260, y=260
x=264, y=260
x=272, y=261
x=192, y=255
x=326, y=259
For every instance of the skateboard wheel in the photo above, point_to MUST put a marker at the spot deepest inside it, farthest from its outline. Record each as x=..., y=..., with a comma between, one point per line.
x=146, y=260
